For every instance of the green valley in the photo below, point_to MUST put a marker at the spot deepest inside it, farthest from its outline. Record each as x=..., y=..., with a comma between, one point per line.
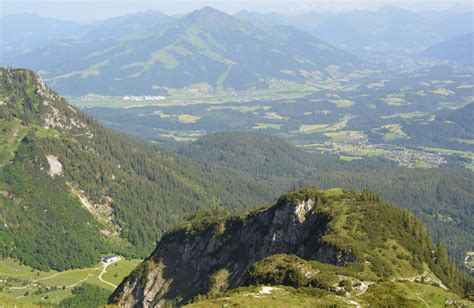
x=349, y=118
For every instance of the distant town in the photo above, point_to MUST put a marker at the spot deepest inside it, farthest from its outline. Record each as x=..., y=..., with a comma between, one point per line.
x=142, y=98
x=409, y=158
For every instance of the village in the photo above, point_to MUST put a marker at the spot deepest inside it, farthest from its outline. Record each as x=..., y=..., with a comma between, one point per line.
x=143, y=98
x=409, y=158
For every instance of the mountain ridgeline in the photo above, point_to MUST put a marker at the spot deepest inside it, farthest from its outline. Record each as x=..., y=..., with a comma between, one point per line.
x=389, y=31
x=71, y=190
x=321, y=242
x=207, y=48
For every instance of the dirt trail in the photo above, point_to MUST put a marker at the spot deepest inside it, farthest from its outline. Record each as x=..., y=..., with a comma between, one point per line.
x=423, y=301
x=351, y=302
x=364, y=287
x=427, y=276
x=104, y=270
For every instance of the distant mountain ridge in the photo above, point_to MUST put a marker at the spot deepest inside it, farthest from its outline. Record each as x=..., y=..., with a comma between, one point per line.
x=116, y=27
x=388, y=31
x=23, y=33
x=26, y=33
x=207, y=48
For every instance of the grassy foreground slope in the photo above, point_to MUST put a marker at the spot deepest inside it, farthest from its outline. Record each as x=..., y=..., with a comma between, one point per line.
x=407, y=294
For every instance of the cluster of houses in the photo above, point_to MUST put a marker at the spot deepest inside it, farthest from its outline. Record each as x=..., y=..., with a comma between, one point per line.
x=359, y=145
x=142, y=98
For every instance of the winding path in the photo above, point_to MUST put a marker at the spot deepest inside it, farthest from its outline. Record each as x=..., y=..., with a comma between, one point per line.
x=104, y=270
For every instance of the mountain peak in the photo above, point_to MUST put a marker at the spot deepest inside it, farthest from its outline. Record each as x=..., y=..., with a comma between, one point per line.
x=209, y=12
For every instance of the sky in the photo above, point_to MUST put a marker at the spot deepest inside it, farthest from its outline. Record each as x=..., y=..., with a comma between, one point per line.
x=88, y=10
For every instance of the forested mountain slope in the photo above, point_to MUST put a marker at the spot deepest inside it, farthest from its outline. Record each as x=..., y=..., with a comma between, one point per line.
x=267, y=156
x=336, y=246
x=71, y=190
x=452, y=129
x=441, y=198
x=458, y=50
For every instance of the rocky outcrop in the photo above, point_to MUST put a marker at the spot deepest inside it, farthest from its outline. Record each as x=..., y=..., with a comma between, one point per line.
x=188, y=262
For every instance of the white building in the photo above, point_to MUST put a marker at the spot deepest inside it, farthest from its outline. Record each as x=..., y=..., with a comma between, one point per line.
x=110, y=259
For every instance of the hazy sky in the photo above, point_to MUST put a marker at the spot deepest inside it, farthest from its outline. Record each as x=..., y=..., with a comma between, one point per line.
x=88, y=10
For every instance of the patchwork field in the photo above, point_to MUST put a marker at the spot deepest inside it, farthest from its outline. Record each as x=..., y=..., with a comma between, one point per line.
x=363, y=116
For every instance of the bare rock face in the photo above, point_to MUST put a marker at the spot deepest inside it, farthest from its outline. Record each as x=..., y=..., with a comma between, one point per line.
x=218, y=257
x=55, y=167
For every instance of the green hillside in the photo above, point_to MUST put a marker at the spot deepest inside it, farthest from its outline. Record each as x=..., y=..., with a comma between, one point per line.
x=207, y=49
x=329, y=247
x=267, y=156
x=72, y=190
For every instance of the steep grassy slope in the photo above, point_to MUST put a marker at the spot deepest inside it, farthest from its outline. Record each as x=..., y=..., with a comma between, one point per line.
x=331, y=242
x=206, y=47
x=71, y=189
